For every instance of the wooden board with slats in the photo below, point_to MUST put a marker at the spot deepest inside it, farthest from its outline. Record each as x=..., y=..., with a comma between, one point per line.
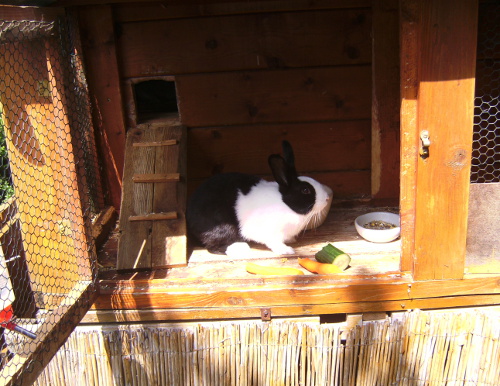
x=152, y=216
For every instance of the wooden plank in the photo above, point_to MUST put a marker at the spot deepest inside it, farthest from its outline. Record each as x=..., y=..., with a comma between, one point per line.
x=134, y=247
x=448, y=34
x=155, y=217
x=305, y=290
x=73, y=199
x=152, y=218
x=385, y=100
x=299, y=95
x=8, y=215
x=201, y=313
x=214, y=44
x=156, y=178
x=318, y=147
x=97, y=33
x=346, y=185
x=103, y=224
x=45, y=14
x=410, y=50
x=168, y=142
x=169, y=244
x=146, y=11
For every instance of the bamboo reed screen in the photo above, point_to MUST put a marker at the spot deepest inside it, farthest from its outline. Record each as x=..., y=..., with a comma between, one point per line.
x=416, y=348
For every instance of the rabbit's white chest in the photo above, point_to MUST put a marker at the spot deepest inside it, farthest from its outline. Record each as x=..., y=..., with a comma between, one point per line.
x=264, y=217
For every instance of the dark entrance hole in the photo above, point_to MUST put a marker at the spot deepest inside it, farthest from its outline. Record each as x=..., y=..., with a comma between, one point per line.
x=155, y=98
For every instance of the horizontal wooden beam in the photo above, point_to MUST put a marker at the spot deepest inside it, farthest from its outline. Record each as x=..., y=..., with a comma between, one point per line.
x=295, y=95
x=168, y=142
x=8, y=13
x=197, y=313
x=341, y=37
x=154, y=217
x=133, y=10
x=163, y=177
x=335, y=291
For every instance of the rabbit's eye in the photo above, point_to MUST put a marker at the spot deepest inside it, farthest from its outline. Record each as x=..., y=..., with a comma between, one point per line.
x=306, y=190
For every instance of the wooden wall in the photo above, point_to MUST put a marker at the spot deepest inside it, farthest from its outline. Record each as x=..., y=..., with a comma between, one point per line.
x=246, y=81
x=250, y=74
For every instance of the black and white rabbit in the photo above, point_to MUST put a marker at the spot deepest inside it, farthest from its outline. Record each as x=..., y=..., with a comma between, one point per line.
x=230, y=209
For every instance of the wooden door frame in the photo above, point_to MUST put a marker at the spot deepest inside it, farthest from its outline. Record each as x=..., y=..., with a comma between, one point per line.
x=438, y=58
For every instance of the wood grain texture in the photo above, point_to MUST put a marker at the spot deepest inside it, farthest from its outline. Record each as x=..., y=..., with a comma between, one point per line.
x=30, y=13
x=154, y=217
x=146, y=10
x=318, y=147
x=385, y=100
x=270, y=293
x=148, y=237
x=134, y=248
x=170, y=237
x=245, y=42
x=96, y=315
x=346, y=185
x=162, y=177
x=448, y=33
x=44, y=175
x=97, y=33
x=299, y=95
x=338, y=228
x=409, y=22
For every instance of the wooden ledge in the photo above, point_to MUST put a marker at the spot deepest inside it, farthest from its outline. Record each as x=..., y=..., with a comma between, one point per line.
x=141, y=298
x=205, y=313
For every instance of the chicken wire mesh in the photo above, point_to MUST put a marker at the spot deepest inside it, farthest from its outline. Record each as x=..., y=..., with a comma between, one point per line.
x=486, y=139
x=49, y=190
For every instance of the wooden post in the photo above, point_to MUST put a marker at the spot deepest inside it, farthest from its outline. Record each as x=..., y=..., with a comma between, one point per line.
x=96, y=25
x=447, y=33
x=385, y=101
x=409, y=21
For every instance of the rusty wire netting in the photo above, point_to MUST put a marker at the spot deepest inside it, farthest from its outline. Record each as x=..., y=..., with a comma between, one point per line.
x=49, y=191
x=486, y=140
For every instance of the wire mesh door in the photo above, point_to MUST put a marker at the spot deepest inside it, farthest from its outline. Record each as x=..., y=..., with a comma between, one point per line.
x=49, y=187
x=483, y=243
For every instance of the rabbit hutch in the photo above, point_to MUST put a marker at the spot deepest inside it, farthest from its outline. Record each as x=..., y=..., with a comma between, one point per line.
x=114, y=112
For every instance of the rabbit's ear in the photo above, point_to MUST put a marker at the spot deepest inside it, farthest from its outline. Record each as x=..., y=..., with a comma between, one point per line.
x=288, y=155
x=281, y=171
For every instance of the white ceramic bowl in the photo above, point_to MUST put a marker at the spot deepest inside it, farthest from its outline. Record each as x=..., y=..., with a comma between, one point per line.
x=378, y=235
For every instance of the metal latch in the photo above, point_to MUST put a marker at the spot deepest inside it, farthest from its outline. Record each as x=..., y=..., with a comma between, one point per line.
x=425, y=143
